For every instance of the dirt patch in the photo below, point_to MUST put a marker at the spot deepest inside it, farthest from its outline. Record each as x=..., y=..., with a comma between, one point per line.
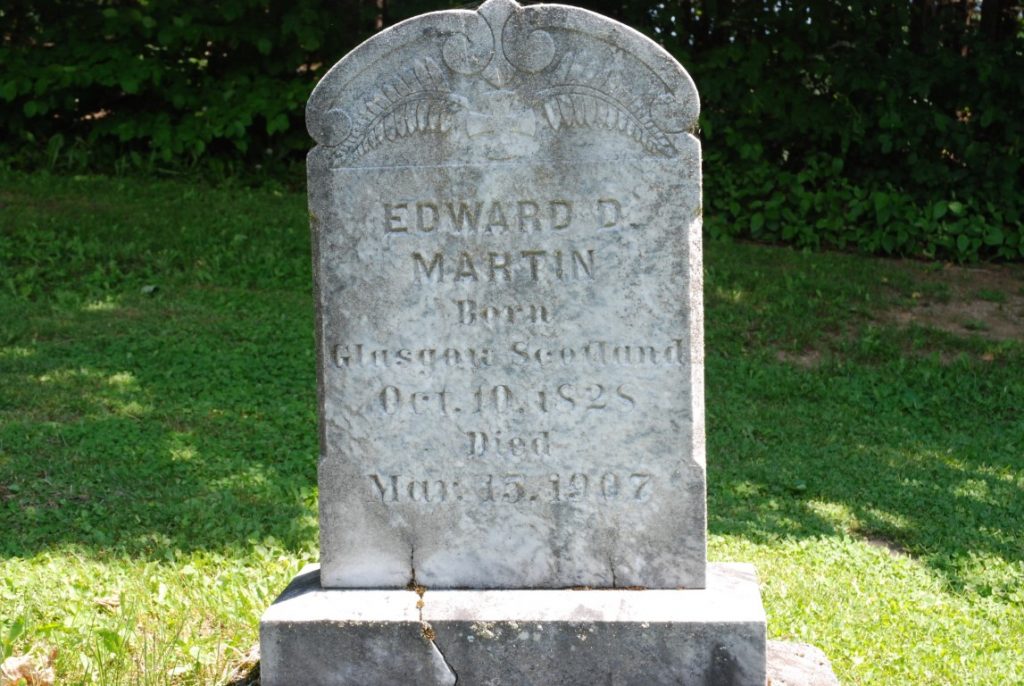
x=983, y=301
x=68, y=202
x=892, y=547
x=805, y=359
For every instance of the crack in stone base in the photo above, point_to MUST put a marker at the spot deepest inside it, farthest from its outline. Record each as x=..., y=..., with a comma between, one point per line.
x=448, y=665
x=431, y=635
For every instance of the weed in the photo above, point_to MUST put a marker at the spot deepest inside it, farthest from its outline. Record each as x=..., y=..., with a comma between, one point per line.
x=991, y=295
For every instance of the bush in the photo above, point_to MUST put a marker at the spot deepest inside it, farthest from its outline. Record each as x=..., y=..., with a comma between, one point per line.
x=883, y=127
x=166, y=81
x=861, y=126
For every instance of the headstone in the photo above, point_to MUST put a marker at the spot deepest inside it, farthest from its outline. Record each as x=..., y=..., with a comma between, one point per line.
x=506, y=219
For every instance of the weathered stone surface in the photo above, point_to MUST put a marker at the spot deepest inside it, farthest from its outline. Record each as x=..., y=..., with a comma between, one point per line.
x=506, y=218
x=713, y=636
x=798, y=664
x=318, y=637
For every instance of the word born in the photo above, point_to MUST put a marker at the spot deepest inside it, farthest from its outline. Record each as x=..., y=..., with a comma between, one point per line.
x=491, y=315
x=512, y=488
x=464, y=217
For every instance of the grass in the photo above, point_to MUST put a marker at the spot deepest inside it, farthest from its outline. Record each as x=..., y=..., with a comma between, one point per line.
x=991, y=295
x=158, y=442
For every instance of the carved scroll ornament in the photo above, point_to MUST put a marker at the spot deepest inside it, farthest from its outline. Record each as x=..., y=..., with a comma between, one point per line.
x=496, y=77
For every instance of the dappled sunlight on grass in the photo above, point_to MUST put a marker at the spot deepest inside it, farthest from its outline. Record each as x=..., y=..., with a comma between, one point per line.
x=838, y=514
x=919, y=458
x=65, y=395
x=875, y=519
x=123, y=380
x=160, y=448
x=157, y=434
x=15, y=352
x=167, y=616
x=108, y=304
x=879, y=614
x=731, y=295
x=183, y=453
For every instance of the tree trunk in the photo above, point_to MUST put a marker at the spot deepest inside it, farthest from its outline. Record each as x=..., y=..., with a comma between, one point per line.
x=922, y=25
x=997, y=19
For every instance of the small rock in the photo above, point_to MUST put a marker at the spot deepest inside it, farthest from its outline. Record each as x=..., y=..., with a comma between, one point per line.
x=798, y=664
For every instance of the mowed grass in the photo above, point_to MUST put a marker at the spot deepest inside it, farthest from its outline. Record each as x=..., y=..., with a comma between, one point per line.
x=158, y=441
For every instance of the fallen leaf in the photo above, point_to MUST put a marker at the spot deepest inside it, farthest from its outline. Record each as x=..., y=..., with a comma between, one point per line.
x=110, y=603
x=25, y=668
x=246, y=668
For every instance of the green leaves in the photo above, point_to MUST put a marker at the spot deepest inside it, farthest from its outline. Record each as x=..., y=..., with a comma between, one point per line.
x=127, y=81
x=815, y=208
x=756, y=222
x=279, y=122
x=9, y=89
x=963, y=243
x=900, y=154
x=900, y=150
x=14, y=632
x=994, y=236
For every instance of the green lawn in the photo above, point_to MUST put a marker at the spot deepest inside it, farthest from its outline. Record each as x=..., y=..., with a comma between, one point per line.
x=158, y=439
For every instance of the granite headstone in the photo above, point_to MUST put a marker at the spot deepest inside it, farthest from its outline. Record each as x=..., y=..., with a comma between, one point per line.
x=506, y=224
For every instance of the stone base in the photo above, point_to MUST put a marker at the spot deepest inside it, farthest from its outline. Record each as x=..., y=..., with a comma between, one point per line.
x=714, y=636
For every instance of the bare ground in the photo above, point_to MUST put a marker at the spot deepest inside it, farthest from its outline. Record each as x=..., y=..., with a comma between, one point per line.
x=986, y=301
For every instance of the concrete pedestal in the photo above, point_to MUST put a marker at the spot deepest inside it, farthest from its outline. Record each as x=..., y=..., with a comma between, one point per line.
x=713, y=636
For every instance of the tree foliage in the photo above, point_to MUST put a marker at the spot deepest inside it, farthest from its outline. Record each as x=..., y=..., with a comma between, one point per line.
x=891, y=127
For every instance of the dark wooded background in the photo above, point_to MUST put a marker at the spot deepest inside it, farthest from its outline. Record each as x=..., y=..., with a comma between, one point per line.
x=892, y=127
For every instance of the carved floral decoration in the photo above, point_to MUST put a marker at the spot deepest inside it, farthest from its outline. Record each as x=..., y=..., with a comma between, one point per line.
x=517, y=83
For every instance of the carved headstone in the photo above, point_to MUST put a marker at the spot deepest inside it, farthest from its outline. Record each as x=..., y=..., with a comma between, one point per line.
x=506, y=222
x=506, y=214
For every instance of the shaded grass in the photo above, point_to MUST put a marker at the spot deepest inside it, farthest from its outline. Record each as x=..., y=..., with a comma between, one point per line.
x=158, y=446
x=164, y=405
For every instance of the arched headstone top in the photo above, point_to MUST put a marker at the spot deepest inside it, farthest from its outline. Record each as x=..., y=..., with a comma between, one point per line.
x=500, y=83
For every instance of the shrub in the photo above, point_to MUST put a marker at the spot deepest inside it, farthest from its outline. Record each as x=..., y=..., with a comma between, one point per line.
x=883, y=127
